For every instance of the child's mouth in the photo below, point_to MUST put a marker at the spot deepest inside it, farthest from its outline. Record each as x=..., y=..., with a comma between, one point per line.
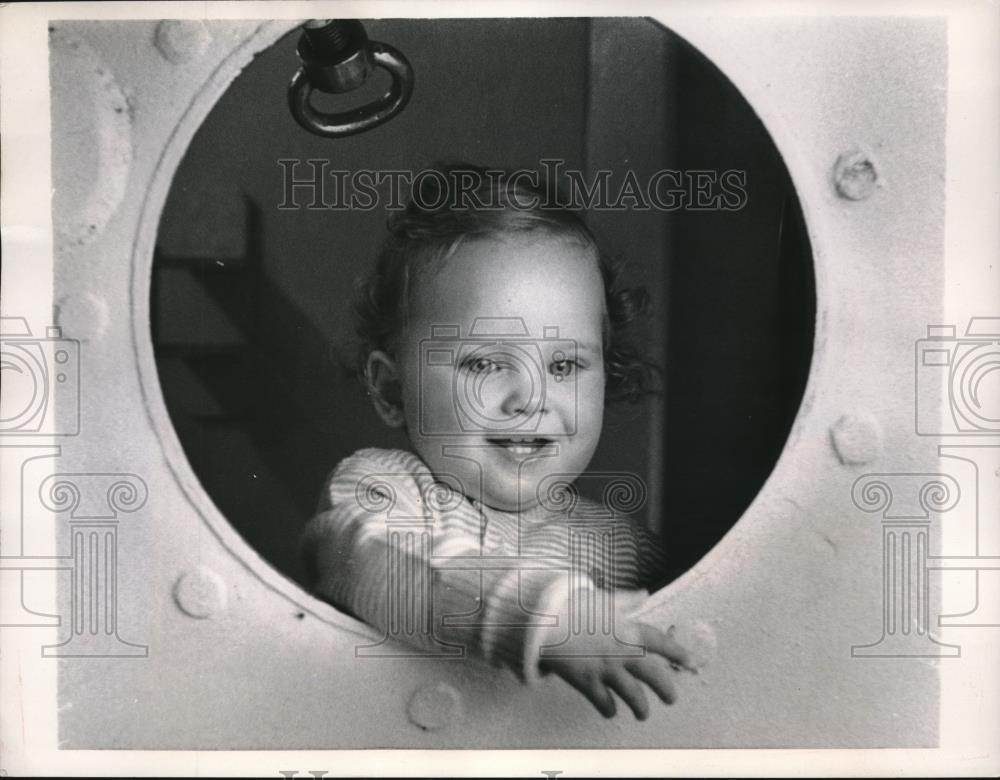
x=520, y=445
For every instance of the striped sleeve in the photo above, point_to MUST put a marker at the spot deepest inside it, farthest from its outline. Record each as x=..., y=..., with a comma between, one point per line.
x=345, y=545
x=635, y=557
x=652, y=557
x=504, y=616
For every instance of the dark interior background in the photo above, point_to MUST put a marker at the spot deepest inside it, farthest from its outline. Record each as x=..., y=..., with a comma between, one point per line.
x=250, y=302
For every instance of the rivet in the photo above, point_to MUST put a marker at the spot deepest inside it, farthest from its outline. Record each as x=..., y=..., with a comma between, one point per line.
x=200, y=592
x=856, y=438
x=855, y=175
x=181, y=41
x=82, y=317
x=434, y=706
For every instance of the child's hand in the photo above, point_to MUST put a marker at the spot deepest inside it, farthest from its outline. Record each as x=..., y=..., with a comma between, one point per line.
x=597, y=675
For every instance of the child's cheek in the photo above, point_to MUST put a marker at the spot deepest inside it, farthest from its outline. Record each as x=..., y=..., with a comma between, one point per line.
x=430, y=407
x=590, y=393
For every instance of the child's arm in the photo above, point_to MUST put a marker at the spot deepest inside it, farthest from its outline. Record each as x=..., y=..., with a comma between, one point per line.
x=348, y=553
x=641, y=562
x=348, y=549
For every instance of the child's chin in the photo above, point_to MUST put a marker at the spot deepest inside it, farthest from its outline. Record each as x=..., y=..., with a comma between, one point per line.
x=508, y=503
x=548, y=491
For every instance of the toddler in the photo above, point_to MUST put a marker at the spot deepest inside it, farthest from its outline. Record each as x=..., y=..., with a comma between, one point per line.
x=491, y=332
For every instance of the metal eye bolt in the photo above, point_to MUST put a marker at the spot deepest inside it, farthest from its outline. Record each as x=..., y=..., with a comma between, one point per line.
x=336, y=58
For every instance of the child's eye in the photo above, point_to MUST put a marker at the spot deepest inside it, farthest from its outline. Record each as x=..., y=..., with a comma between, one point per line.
x=563, y=368
x=483, y=365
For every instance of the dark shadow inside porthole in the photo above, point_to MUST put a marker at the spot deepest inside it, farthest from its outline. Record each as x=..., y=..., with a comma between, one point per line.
x=251, y=286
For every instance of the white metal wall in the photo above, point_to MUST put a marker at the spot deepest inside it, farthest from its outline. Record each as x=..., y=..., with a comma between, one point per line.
x=773, y=610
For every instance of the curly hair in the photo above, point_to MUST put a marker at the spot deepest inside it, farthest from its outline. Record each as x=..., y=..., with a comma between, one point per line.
x=454, y=202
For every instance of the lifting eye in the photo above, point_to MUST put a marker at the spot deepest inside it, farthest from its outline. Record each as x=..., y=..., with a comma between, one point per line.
x=337, y=57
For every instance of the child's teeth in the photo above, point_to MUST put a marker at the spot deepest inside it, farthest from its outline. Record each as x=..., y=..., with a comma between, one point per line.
x=522, y=446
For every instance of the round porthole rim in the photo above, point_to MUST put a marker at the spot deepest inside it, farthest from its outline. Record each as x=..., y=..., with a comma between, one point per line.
x=191, y=119
x=804, y=180
x=141, y=267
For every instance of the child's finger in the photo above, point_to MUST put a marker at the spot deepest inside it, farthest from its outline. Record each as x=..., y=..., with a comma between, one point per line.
x=661, y=644
x=655, y=673
x=631, y=692
x=598, y=695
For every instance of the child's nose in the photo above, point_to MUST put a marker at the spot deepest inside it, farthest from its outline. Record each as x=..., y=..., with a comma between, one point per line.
x=521, y=394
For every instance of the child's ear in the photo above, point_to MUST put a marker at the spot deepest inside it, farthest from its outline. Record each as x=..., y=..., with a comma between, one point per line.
x=385, y=388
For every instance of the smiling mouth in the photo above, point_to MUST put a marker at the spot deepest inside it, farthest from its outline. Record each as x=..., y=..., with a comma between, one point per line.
x=521, y=445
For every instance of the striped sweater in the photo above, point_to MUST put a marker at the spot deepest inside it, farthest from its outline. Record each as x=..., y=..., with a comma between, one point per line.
x=438, y=571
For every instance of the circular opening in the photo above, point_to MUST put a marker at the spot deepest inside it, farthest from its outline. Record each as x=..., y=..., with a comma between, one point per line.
x=259, y=244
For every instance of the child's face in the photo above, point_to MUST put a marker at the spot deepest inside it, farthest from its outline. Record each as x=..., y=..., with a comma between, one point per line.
x=506, y=410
